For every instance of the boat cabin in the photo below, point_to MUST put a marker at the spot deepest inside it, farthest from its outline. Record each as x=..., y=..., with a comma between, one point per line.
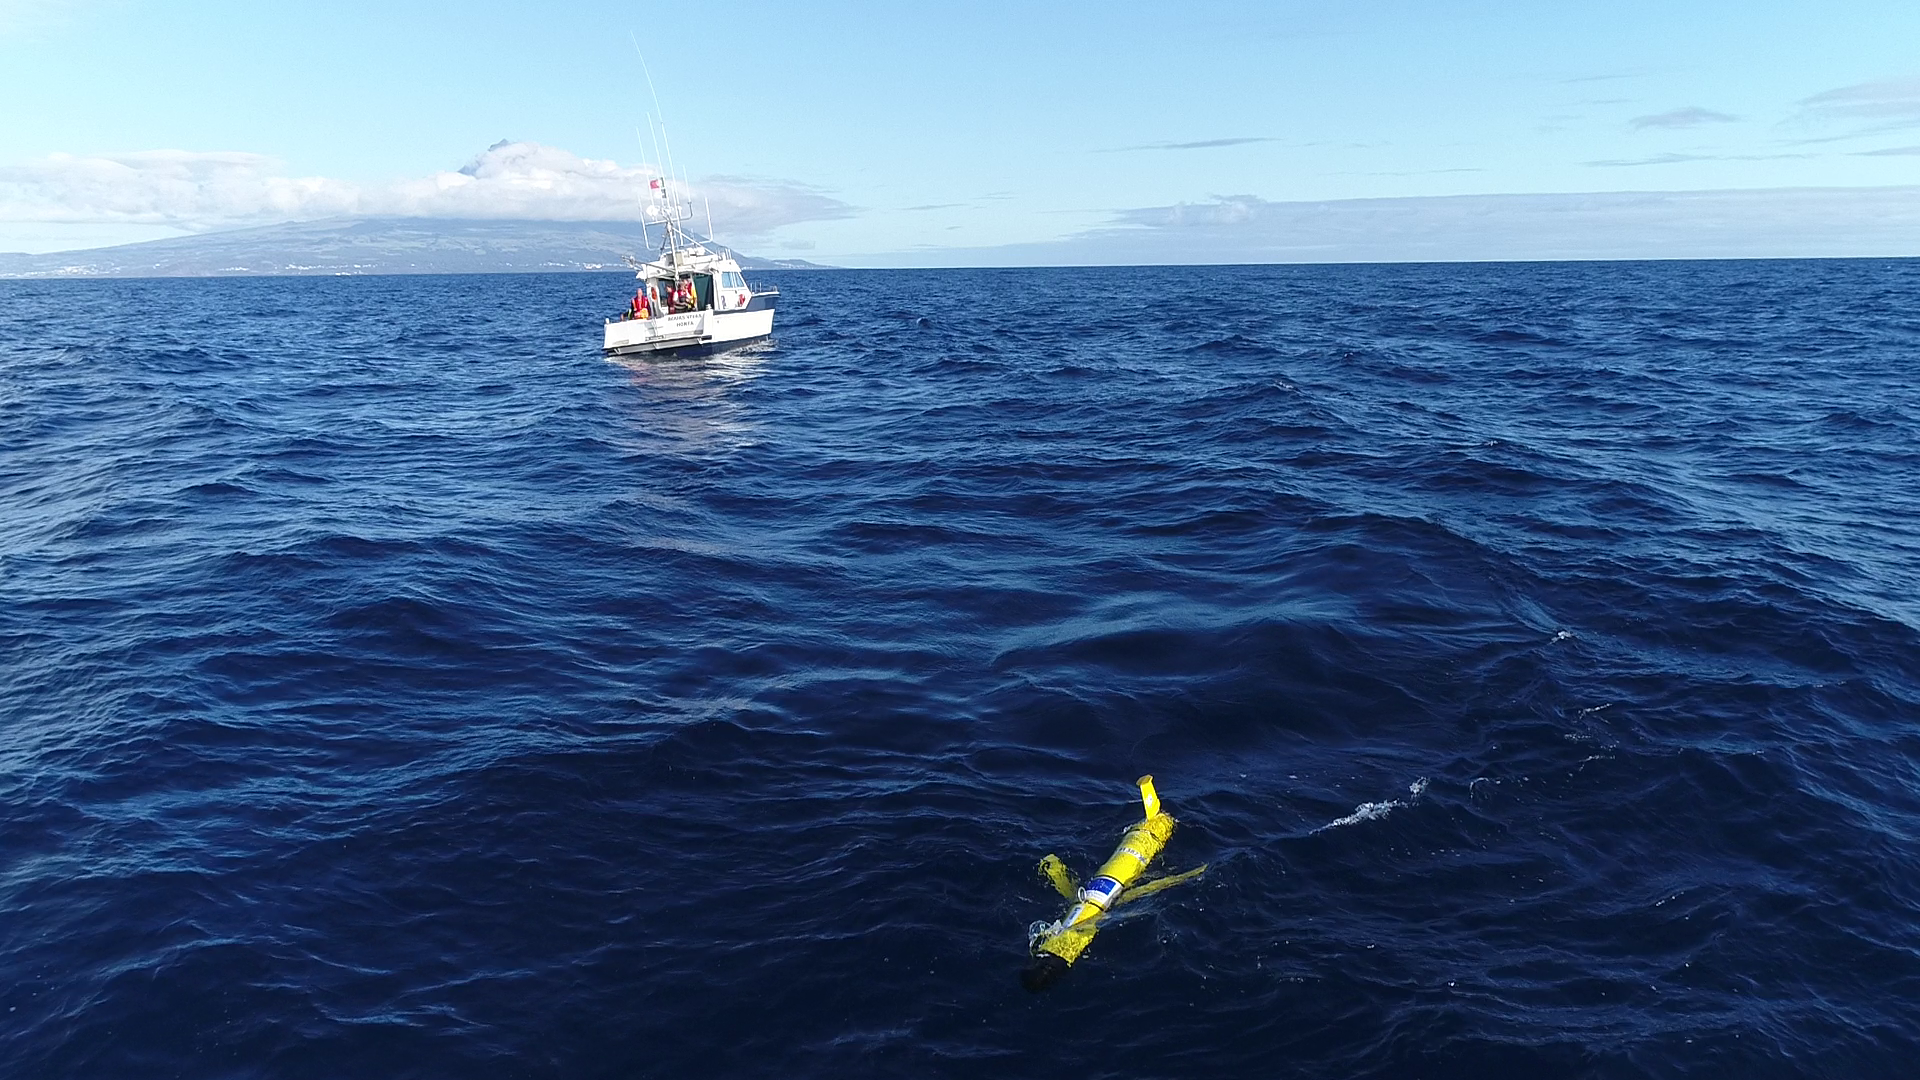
x=724, y=290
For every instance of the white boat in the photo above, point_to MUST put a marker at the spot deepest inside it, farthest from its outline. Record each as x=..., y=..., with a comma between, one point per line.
x=691, y=297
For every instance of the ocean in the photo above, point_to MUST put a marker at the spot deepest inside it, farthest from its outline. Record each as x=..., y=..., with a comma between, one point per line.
x=391, y=686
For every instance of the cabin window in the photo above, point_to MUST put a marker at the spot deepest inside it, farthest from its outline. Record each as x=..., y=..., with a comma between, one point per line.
x=730, y=279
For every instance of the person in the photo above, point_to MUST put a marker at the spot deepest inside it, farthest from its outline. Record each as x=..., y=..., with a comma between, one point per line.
x=683, y=295
x=639, y=309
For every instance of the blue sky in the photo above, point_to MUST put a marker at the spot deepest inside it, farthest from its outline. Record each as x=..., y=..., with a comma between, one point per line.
x=882, y=134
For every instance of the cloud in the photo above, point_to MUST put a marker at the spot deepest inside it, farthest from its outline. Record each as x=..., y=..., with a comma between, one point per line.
x=1778, y=222
x=165, y=187
x=1891, y=151
x=1657, y=159
x=1886, y=97
x=1203, y=144
x=750, y=206
x=1608, y=76
x=1690, y=116
x=517, y=180
x=1885, y=105
x=29, y=18
x=1681, y=159
x=1424, y=172
x=1223, y=210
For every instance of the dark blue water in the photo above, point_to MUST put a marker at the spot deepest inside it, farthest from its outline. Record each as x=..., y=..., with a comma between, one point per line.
x=392, y=687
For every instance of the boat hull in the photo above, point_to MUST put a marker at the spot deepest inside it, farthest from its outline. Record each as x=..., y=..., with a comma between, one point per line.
x=690, y=330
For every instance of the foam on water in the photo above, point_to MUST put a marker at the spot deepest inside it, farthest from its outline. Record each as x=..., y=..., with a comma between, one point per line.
x=1374, y=811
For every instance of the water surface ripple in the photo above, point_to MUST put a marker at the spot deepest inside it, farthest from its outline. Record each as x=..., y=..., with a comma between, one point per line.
x=391, y=687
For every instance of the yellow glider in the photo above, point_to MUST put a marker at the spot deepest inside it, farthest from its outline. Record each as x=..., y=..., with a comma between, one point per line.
x=1055, y=946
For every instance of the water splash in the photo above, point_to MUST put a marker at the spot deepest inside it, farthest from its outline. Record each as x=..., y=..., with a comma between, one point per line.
x=1374, y=811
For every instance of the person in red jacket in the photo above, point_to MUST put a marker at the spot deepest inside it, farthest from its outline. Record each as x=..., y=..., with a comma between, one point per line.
x=639, y=308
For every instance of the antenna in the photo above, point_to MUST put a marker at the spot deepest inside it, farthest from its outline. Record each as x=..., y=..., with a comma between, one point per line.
x=659, y=138
x=648, y=73
x=645, y=240
x=669, y=145
x=660, y=171
x=642, y=143
x=709, y=203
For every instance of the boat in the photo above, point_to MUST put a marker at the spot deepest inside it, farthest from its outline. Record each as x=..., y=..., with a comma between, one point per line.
x=693, y=297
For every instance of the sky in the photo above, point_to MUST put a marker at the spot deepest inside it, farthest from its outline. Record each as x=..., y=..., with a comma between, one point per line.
x=870, y=134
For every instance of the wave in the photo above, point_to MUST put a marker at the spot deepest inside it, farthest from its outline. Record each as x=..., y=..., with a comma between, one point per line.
x=1529, y=650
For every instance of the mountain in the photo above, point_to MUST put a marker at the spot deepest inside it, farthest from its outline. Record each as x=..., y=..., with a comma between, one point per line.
x=366, y=246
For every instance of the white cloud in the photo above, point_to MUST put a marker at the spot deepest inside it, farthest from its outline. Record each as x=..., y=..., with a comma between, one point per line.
x=1767, y=223
x=165, y=187
x=1683, y=159
x=27, y=18
x=1690, y=116
x=1223, y=210
x=510, y=180
x=1887, y=104
x=752, y=207
x=1203, y=144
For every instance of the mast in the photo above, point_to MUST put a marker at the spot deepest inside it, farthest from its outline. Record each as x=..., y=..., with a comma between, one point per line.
x=674, y=237
x=671, y=213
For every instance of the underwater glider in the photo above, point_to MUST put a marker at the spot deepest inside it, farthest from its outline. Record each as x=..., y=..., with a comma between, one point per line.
x=1056, y=945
